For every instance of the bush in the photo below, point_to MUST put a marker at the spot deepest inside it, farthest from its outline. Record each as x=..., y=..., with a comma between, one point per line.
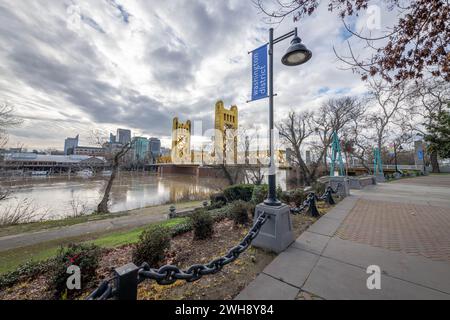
x=86, y=257
x=242, y=192
x=260, y=193
x=298, y=196
x=218, y=200
x=240, y=212
x=287, y=197
x=319, y=188
x=203, y=224
x=26, y=271
x=181, y=229
x=152, y=244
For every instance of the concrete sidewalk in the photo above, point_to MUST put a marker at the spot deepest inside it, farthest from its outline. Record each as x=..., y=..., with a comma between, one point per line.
x=404, y=228
x=138, y=218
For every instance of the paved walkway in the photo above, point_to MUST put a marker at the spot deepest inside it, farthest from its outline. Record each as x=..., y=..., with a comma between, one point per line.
x=403, y=227
x=137, y=218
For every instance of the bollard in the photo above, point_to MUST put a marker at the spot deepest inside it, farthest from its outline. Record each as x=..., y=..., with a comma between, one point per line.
x=312, y=208
x=127, y=282
x=329, y=197
x=172, y=212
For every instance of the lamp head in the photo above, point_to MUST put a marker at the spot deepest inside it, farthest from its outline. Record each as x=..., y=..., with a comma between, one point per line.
x=296, y=54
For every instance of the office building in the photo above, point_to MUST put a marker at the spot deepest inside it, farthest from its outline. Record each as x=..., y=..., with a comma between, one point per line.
x=70, y=144
x=123, y=136
x=140, y=150
x=89, y=151
x=155, y=147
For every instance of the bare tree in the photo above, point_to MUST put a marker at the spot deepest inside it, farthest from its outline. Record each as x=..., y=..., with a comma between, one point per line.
x=414, y=45
x=389, y=109
x=115, y=156
x=294, y=131
x=429, y=100
x=335, y=115
x=8, y=119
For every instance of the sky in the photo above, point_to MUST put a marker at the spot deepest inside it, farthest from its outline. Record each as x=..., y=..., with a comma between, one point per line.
x=75, y=66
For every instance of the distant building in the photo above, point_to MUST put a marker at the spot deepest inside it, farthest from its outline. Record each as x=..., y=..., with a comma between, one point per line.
x=112, y=138
x=39, y=161
x=89, y=151
x=70, y=144
x=140, y=150
x=155, y=147
x=165, y=152
x=123, y=136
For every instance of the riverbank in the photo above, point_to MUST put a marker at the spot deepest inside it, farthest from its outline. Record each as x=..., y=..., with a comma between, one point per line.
x=54, y=224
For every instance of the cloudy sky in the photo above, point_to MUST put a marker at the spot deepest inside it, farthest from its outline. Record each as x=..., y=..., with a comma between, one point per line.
x=73, y=66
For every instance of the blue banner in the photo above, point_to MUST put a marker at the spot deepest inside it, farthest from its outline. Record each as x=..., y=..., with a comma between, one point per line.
x=259, y=73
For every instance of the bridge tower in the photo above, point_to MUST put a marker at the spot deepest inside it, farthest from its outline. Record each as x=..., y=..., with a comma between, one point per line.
x=181, y=141
x=226, y=140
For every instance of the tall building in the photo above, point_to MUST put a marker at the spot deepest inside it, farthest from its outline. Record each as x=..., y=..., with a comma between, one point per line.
x=70, y=144
x=181, y=141
x=155, y=147
x=123, y=136
x=140, y=150
x=226, y=143
x=112, y=138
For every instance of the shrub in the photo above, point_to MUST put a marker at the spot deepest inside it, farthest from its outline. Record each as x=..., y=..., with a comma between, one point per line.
x=181, y=229
x=240, y=212
x=298, y=196
x=286, y=197
x=151, y=246
x=203, y=224
x=218, y=200
x=260, y=193
x=242, y=192
x=86, y=257
x=319, y=188
x=26, y=271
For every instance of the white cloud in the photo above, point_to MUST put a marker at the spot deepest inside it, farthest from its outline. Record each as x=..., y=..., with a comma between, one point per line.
x=73, y=66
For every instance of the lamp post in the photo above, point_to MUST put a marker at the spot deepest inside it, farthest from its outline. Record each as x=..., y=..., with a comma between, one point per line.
x=395, y=156
x=296, y=54
x=277, y=234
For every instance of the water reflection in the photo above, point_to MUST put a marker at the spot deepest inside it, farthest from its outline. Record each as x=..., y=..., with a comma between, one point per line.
x=58, y=197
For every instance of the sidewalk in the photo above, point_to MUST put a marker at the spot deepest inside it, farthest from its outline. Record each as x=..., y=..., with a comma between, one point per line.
x=141, y=218
x=402, y=227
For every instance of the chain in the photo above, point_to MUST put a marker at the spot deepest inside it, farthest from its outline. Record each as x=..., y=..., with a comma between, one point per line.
x=170, y=274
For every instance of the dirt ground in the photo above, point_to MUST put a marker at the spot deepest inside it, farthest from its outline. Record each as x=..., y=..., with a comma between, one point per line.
x=184, y=252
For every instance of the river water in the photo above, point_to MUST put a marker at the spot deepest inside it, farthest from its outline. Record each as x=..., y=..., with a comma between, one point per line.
x=60, y=197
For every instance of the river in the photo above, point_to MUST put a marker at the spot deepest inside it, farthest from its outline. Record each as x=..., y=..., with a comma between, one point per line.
x=61, y=197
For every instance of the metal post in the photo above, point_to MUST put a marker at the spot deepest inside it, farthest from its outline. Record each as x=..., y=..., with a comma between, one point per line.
x=272, y=199
x=395, y=158
x=127, y=282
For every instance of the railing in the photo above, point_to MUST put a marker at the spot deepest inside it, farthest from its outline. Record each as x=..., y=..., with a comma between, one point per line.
x=124, y=285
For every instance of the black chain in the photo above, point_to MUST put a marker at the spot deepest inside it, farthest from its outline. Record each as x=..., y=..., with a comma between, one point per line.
x=170, y=274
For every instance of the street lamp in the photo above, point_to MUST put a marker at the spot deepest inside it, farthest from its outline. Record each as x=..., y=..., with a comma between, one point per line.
x=296, y=55
x=399, y=148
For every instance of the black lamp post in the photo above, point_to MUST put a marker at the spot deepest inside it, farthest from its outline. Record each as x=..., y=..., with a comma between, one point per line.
x=395, y=156
x=296, y=55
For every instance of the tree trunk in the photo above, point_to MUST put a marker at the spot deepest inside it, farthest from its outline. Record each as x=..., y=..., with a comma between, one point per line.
x=434, y=161
x=103, y=206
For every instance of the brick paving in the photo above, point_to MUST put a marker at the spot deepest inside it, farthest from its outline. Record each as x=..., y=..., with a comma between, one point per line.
x=442, y=180
x=414, y=229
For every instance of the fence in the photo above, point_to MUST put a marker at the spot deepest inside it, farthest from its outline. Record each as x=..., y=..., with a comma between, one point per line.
x=124, y=285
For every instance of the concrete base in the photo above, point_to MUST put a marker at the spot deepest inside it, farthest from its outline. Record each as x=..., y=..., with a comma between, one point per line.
x=381, y=178
x=276, y=235
x=344, y=190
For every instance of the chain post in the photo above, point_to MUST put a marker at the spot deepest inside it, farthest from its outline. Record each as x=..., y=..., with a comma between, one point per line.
x=312, y=208
x=127, y=282
x=329, y=197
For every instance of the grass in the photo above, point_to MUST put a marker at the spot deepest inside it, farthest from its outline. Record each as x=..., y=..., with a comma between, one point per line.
x=45, y=225
x=11, y=259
